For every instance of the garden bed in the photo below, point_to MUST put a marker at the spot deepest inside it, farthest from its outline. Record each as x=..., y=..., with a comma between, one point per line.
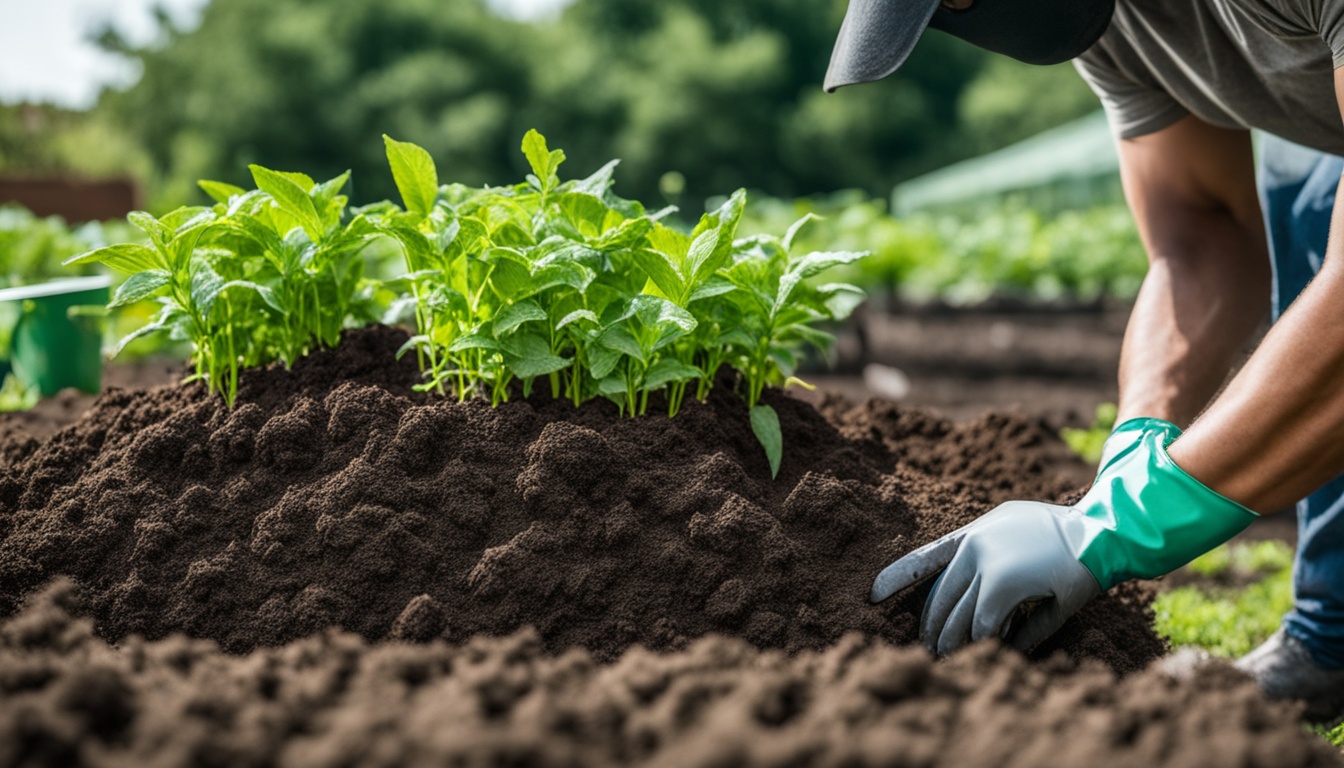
x=593, y=589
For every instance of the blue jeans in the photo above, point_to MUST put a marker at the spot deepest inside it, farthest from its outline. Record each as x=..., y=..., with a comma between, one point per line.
x=1297, y=193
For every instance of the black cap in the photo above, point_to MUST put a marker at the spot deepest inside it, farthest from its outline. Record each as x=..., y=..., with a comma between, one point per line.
x=878, y=35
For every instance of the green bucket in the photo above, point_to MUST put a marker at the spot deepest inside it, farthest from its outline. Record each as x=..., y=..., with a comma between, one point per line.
x=55, y=333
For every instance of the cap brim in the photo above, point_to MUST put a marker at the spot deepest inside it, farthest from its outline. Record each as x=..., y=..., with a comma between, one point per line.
x=876, y=38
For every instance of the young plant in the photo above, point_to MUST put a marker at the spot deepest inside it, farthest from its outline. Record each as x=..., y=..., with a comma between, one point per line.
x=263, y=275
x=555, y=281
x=567, y=283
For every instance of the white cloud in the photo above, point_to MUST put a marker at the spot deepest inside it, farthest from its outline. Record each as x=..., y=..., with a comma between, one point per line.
x=45, y=54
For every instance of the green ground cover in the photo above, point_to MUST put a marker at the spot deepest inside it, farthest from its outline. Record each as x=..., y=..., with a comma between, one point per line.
x=1229, y=622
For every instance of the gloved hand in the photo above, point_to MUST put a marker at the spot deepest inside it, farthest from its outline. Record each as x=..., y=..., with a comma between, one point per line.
x=1023, y=569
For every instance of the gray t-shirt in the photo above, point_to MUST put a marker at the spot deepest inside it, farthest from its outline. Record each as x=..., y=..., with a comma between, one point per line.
x=1266, y=64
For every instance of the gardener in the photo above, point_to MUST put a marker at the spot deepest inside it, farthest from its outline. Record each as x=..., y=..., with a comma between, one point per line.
x=1181, y=82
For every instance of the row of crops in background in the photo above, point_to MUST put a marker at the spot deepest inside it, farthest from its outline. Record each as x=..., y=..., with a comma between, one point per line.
x=32, y=248
x=1012, y=250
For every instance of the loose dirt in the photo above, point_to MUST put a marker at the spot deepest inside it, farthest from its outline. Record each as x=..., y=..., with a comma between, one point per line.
x=335, y=495
x=344, y=572
x=332, y=700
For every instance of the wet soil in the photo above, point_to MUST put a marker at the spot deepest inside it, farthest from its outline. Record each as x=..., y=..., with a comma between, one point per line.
x=333, y=700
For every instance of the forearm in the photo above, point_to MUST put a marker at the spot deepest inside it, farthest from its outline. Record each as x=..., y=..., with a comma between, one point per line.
x=1277, y=433
x=1192, y=318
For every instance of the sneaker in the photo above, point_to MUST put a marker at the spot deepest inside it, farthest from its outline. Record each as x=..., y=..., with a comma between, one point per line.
x=1285, y=669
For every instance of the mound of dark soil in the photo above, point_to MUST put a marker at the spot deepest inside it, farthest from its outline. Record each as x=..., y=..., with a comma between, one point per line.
x=334, y=495
x=331, y=700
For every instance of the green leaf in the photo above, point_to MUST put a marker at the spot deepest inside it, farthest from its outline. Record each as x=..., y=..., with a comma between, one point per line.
x=611, y=386
x=571, y=273
x=702, y=264
x=544, y=162
x=530, y=356
x=123, y=257
x=473, y=341
x=139, y=286
x=558, y=250
x=576, y=316
x=669, y=371
x=662, y=271
x=815, y=263
x=814, y=336
x=670, y=242
x=738, y=337
x=514, y=315
x=618, y=338
x=602, y=361
x=414, y=172
x=159, y=233
x=420, y=255
x=714, y=286
x=512, y=279
x=583, y=209
x=260, y=233
x=627, y=234
x=797, y=228
x=400, y=312
x=329, y=189
x=765, y=425
x=291, y=197
x=303, y=180
x=420, y=340
x=267, y=295
x=656, y=312
x=142, y=331
x=206, y=285
x=597, y=184
x=219, y=191
x=701, y=251
x=841, y=299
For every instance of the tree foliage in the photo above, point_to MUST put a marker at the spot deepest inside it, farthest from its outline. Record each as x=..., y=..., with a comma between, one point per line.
x=722, y=95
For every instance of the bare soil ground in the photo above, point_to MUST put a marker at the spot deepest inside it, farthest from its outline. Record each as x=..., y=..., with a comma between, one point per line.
x=343, y=572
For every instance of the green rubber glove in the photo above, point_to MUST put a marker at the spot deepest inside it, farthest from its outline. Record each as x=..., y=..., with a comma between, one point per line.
x=1020, y=571
x=1122, y=438
x=1145, y=517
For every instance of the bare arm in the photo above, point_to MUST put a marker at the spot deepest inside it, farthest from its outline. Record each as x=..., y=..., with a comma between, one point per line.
x=1191, y=187
x=1277, y=433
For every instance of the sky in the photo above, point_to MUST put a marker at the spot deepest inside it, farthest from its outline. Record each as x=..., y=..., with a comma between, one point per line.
x=45, y=56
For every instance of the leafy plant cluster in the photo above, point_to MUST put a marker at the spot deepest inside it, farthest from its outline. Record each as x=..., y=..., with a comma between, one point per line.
x=565, y=283
x=1078, y=255
x=263, y=275
x=558, y=282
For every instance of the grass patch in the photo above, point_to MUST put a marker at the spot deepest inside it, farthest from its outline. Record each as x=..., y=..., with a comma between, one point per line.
x=1230, y=622
x=1335, y=736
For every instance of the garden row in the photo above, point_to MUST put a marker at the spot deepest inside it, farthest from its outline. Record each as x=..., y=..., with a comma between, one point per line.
x=558, y=282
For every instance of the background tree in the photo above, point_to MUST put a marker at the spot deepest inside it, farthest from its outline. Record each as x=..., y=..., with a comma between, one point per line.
x=697, y=96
